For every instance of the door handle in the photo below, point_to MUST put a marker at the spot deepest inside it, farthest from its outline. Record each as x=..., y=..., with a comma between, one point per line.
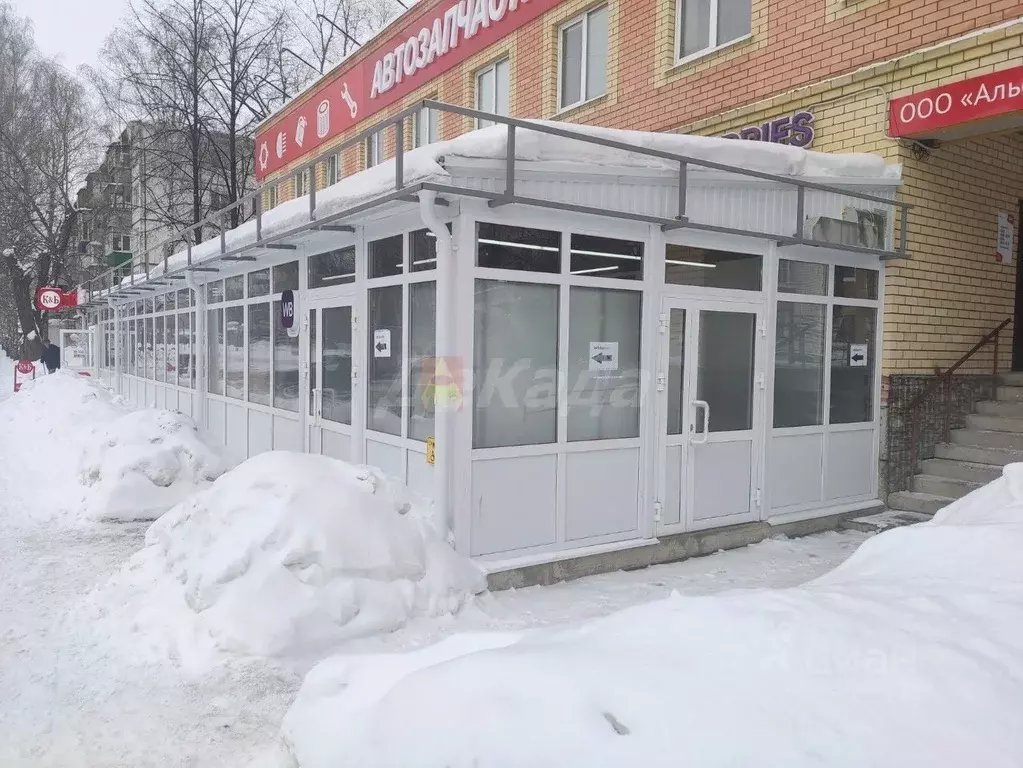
x=317, y=405
x=701, y=405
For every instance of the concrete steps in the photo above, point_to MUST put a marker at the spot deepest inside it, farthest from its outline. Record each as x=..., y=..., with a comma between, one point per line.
x=992, y=438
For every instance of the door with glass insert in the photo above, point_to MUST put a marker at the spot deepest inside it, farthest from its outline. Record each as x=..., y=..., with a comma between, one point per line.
x=332, y=380
x=710, y=382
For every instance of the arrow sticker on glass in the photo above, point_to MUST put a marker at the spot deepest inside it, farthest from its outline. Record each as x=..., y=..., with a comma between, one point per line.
x=858, y=355
x=382, y=342
x=603, y=355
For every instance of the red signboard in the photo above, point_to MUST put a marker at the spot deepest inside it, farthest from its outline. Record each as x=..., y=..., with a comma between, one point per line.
x=50, y=299
x=975, y=99
x=429, y=45
x=24, y=368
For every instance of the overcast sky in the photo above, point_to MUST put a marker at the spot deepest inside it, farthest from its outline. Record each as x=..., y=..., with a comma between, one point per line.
x=74, y=30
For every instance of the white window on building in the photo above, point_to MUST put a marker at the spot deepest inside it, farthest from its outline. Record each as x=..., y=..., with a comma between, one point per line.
x=302, y=184
x=373, y=150
x=120, y=243
x=492, y=90
x=707, y=24
x=583, y=58
x=332, y=170
x=271, y=198
x=425, y=127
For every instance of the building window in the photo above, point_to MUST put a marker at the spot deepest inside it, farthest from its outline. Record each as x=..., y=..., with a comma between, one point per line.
x=422, y=369
x=120, y=243
x=373, y=151
x=706, y=268
x=594, y=256
x=385, y=340
x=852, y=364
x=707, y=24
x=332, y=268
x=583, y=59
x=385, y=256
x=260, y=354
x=425, y=127
x=492, y=90
x=500, y=246
x=302, y=184
x=799, y=364
x=286, y=374
x=332, y=170
x=271, y=197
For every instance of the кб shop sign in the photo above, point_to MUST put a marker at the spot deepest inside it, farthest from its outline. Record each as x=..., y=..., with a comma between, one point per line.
x=431, y=44
x=977, y=98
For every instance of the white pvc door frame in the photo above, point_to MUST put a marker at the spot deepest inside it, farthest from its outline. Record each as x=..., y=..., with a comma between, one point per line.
x=691, y=437
x=313, y=417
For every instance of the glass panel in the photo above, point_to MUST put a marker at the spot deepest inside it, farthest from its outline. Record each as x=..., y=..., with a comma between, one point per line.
x=803, y=277
x=712, y=269
x=596, y=53
x=799, y=365
x=259, y=283
x=606, y=257
x=160, y=352
x=184, y=298
x=171, y=301
x=499, y=246
x=286, y=381
x=854, y=283
x=422, y=361
x=313, y=357
x=502, y=86
x=215, y=361
x=185, y=353
x=423, y=250
x=133, y=347
x=337, y=364
x=235, y=334
x=603, y=364
x=733, y=19
x=171, y=338
x=485, y=94
x=725, y=369
x=676, y=371
x=385, y=359
x=332, y=268
x=215, y=292
x=234, y=288
x=852, y=364
x=515, y=364
x=285, y=277
x=695, y=26
x=260, y=354
x=572, y=64
x=385, y=257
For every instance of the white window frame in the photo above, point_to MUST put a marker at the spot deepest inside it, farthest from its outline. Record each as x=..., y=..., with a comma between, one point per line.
x=374, y=155
x=117, y=243
x=302, y=183
x=332, y=169
x=429, y=118
x=492, y=108
x=582, y=20
x=272, y=197
x=713, y=46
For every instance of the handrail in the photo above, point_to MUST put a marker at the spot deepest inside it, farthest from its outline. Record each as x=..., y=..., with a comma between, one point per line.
x=945, y=377
x=110, y=279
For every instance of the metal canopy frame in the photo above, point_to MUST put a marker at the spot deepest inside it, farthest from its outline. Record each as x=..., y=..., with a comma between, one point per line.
x=118, y=282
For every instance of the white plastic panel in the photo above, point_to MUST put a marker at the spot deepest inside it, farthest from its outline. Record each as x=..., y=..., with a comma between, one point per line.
x=160, y=396
x=722, y=479
x=385, y=457
x=287, y=434
x=671, y=513
x=216, y=418
x=335, y=445
x=794, y=470
x=514, y=503
x=261, y=432
x=185, y=403
x=420, y=474
x=237, y=433
x=850, y=468
x=602, y=493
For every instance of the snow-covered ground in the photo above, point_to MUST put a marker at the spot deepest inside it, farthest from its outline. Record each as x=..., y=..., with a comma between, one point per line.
x=72, y=696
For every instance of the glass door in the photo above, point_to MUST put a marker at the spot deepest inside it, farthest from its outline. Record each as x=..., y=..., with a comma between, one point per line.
x=711, y=383
x=332, y=376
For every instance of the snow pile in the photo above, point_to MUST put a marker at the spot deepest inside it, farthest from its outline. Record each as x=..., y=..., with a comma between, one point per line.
x=142, y=463
x=908, y=654
x=285, y=555
x=79, y=451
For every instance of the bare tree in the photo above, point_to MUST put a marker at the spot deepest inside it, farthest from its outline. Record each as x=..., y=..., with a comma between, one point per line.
x=45, y=146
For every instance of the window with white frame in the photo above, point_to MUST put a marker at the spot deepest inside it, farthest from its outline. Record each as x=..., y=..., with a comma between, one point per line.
x=120, y=243
x=271, y=197
x=332, y=169
x=374, y=152
x=302, y=184
x=704, y=25
x=425, y=127
x=159, y=341
x=583, y=58
x=493, y=86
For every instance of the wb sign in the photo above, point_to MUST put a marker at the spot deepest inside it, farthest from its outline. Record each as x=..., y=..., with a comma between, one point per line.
x=288, y=312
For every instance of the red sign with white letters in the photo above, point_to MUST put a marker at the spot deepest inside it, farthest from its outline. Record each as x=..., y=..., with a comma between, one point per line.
x=429, y=45
x=50, y=299
x=977, y=98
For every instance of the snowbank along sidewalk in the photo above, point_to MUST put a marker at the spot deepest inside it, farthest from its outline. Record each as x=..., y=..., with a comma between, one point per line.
x=908, y=654
x=72, y=450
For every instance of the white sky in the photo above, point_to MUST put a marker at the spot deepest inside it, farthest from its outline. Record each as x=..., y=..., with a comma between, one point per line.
x=73, y=30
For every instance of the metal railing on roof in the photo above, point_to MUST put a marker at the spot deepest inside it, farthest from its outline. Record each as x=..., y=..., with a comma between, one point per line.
x=131, y=278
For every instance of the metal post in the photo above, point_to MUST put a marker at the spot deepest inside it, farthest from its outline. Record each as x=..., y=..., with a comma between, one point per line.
x=683, y=173
x=800, y=211
x=312, y=192
x=223, y=234
x=902, y=228
x=259, y=217
x=509, y=169
x=399, y=154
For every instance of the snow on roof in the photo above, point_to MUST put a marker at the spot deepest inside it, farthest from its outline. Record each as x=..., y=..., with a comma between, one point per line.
x=427, y=164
